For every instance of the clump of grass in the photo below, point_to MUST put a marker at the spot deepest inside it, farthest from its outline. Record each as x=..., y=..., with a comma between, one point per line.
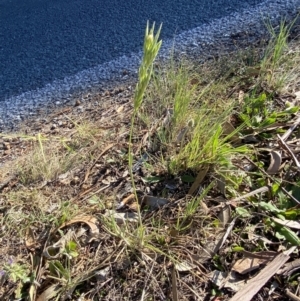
x=274, y=55
x=45, y=163
x=194, y=133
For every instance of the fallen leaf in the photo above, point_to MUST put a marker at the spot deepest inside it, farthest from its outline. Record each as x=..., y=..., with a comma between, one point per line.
x=287, y=223
x=30, y=242
x=122, y=218
x=89, y=220
x=225, y=215
x=246, y=265
x=49, y=293
x=184, y=266
x=275, y=163
x=223, y=279
x=154, y=202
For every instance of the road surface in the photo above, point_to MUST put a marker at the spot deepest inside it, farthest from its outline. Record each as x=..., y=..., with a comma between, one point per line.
x=44, y=40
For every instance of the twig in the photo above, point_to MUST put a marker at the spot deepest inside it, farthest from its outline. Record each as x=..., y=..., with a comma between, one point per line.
x=242, y=197
x=290, y=195
x=267, y=175
x=282, y=143
x=291, y=295
x=290, y=130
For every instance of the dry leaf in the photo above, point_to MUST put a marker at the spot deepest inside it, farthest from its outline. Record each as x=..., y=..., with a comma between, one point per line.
x=184, y=266
x=275, y=163
x=122, y=218
x=88, y=220
x=225, y=215
x=200, y=177
x=228, y=129
x=29, y=239
x=154, y=202
x=246, y=265
x=223, y=279
x=287, y=223
x=49, y=293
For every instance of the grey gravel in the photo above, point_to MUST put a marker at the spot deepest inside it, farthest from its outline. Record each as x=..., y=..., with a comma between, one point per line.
x=199, y=43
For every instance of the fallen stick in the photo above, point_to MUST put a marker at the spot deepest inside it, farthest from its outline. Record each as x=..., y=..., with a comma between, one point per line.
x=256, y=283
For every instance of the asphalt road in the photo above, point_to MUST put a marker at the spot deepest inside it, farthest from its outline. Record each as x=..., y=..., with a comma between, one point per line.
x=44, y=40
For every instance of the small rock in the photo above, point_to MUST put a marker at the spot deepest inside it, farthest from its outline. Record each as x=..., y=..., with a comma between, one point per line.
x=7, y=152
x=77, y=103
x=6, y=146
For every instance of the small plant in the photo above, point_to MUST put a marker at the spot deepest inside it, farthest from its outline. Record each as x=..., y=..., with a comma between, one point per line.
x=17, y=272
x=274, y=54
x=259, y=112
x=151, y=48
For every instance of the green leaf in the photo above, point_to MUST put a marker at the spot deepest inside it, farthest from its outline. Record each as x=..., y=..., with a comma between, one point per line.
x=289, y=235
x=93, y=200
x=291, y=214
x=71, y=246
x=71, y=249
x=151, y=179
x=268, y=121
x=292, y=110
x=188, y=179
x=275, y=188
x=57, y=269
x=237, y=249
x=269, y=207
x=242, y=212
